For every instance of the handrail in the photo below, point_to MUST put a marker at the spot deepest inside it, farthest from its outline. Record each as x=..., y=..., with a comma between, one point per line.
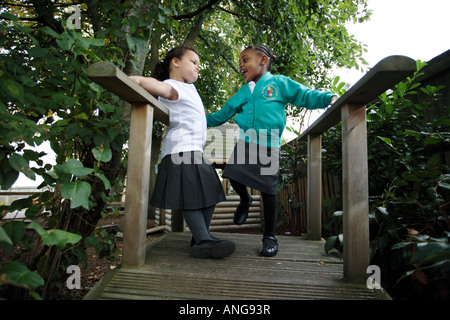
x=351, y=112
x=383, y=76
x=114, y=80
x=144, y=110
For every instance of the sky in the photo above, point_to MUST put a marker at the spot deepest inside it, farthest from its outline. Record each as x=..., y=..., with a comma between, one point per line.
x=415, y=28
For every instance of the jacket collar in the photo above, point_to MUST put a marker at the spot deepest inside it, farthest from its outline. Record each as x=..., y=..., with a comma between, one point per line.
x=264, y=78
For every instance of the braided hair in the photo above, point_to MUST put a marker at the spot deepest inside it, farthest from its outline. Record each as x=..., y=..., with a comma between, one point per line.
x=264, y=50
x=162, y=68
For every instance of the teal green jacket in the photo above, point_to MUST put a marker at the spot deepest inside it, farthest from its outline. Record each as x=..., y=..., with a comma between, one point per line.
x=261, y=116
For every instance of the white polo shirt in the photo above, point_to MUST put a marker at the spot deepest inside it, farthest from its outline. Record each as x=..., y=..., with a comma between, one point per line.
x=187, y=120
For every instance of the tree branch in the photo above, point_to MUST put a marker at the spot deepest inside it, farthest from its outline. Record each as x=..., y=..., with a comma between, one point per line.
x=230, y=64
x=195, y=30
x=241, y=15
x=196, y=12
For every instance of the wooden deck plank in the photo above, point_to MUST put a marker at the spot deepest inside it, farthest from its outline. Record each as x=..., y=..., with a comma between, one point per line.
x=301, y=270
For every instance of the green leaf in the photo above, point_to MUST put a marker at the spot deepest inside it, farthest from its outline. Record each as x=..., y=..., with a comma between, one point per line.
x=81, y=255
x=20, y=204
x=38, y=228
x=386, y=140
x=15, y=230
x=9, y=16
x=7, y=176
x=17, y=274
x=104, y=180
x=412, y=133
x=102, y=153
x=430, y=252
x=12, y=88
x=20, y=164
x=329, y=244
x=75, y=167
x=95, y=42
x=61, y=238
x=432, y=162
x=82, y=116
x=65, y=41
x=4, y=237
x=81, y=172
x=50, y=32
x=444, y=185
x=335, y=242
x=38, y=52
x=55, y=237
x=78, y=192
x=389, y=108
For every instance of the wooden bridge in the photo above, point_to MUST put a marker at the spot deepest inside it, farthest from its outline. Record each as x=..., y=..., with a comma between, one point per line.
x=301, y=269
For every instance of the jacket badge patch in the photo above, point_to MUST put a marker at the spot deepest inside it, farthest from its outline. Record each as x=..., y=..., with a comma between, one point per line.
x=270, y=92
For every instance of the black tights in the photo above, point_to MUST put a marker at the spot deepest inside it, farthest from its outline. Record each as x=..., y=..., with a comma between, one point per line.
x=198, y=221
x=269, y=202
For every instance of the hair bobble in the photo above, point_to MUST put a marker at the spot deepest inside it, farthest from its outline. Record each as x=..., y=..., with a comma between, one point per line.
x=274, y=57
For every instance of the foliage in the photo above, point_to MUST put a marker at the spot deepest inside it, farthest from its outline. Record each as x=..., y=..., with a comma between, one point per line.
x=45, y=97
x=14, y=233
x=409, y=216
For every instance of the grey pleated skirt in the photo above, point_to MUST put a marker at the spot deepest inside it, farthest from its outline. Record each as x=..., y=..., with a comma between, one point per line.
x=186, y=180
x=255, y=166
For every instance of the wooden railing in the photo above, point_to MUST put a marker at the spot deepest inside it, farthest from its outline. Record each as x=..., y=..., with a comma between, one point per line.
x=144, y=110
x=350, y=110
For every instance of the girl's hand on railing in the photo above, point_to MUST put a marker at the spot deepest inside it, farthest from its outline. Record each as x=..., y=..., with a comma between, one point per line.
x=333, y=99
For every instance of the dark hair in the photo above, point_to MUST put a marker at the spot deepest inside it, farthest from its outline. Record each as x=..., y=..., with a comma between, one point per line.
x=265, y=50
x=162, y=68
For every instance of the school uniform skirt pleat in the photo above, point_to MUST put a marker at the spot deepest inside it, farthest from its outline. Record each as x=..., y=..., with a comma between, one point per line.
x=186, y=181
x=255, y=166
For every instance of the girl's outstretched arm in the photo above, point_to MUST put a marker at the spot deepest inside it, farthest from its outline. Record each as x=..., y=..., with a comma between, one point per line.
x=156, y=87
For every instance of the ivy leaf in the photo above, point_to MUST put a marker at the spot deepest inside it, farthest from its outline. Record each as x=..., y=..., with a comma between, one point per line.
x=78, y=192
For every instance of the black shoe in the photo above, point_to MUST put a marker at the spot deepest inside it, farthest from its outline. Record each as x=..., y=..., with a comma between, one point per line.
x=213, y=249
x=241, y=214
x=212, y=237
x=269, y=247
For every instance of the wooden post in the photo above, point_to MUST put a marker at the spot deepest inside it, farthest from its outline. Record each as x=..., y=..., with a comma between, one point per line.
x=138, y=175
x=350, y=109
x=314, y=187
x=355, y=193
x=144, y=109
